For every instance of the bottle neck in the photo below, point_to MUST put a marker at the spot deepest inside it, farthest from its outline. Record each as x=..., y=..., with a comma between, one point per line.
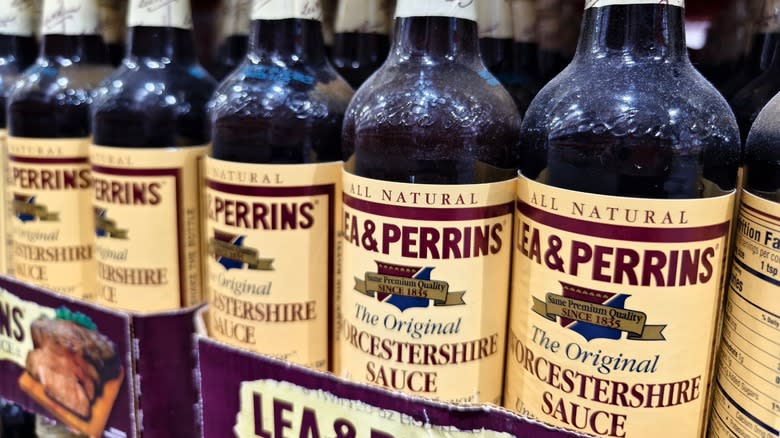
x=89, y=49
x=650, y=32
x=21, y=50
x=293, y=39
x=773, y=55
x=172, y=43
x=526, y=59
x=438, y=39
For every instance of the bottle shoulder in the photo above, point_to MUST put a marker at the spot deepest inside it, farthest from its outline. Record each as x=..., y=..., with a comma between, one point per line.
x=457, y=97
x=274, y=90
x=764, y=138
x=9, y=74
x=58, y=83
x=753, y=96
x=666, y=101
x=141, y=86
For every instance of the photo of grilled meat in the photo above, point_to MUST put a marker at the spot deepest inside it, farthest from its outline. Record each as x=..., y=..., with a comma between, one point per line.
x=72, y=363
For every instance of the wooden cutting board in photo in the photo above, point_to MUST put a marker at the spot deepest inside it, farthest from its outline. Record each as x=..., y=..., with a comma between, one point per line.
x=100, y=410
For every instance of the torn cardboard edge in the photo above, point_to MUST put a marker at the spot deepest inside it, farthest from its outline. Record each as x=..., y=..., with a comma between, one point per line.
x=227, y=373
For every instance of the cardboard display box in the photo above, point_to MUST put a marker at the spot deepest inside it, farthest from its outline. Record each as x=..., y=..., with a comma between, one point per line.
x=114, y=375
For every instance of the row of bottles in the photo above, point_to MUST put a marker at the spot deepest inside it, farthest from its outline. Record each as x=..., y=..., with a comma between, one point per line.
x=614, y=235
x=359, y=40
x=18, y=50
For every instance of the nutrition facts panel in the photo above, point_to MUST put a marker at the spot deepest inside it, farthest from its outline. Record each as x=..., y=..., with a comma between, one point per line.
x=747, y=390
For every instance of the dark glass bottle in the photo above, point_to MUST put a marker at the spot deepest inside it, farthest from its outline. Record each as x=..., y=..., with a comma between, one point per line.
x=151, y=130
x=329, y=8
x=286, y=64
x=430, y=127
x=673, y=169
x=360, y=44
x=234, y=29
x=628, y=128
x=525, y=80
x=750, y=100
x=113, y=15
x=762, y=46
x=18, y=50
x=752, y=290
x=548, y=28
x=49, y=129
x=496, y=37
x=728, y=42
x=445, y=51
x=276, y=124
x=762, y=156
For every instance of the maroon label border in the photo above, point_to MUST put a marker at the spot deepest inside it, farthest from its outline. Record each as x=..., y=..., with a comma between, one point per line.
x=32, y=160
x=328, y=190
x=428, y=213
x=174, y=173
x=623, y=232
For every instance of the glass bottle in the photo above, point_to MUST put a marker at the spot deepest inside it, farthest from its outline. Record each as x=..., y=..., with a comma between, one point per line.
x=623, y=216
x=430, y=175
x=742, y=393
x=18, y=49
x=360, y=44
x=234, y=30
x=496, y=37
x=272, y=180
x=728, y=41
x=762, y=45
x=113, y=15
x=150, y=134
x=750, y=100
x=549, y=30
x=525, y=81
x=49, y=133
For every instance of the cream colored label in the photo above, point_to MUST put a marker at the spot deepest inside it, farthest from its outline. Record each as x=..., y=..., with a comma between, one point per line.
x=747, y=400
x=601, y=3
x=310, y=412
x=464, y=9
x=271, y=258
x=425, y=286
x=147, y=222
x=112, y=20
x=524, y=21
x=362, y=16
x=495, y=19
x=614, y=309
x=283, y=9
x=70, y=17
x=160, y=13
x=7, y=208
x=53, y=228
x=18, y=316
x=235, y=18
x=17, y=17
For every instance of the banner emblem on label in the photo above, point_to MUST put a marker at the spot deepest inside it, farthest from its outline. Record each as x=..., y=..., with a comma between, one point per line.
x=406, y=287
x=105, y=227
x=27, y=210
x=597, y=314
x=229, y=251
